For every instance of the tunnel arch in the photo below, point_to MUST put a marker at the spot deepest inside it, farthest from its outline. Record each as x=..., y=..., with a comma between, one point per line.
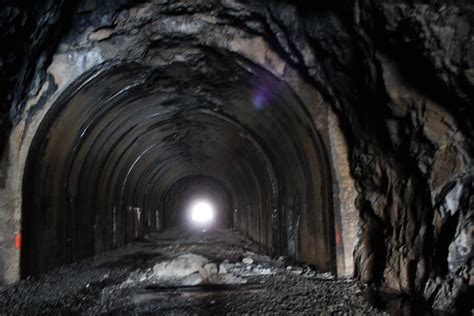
x=86, y=153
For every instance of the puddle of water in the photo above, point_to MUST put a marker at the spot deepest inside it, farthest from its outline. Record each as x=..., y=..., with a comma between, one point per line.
x=206, y=291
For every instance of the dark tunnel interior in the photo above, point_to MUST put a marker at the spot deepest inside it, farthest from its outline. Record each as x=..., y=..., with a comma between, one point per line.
x=126, y=144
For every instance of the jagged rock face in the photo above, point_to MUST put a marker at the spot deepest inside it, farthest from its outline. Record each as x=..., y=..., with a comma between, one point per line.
x=421, y=199
x=399, y=75
x=30, y=31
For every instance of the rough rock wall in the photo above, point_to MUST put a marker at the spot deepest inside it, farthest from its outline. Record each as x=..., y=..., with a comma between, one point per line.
x=419, y=200
x=29, y=32
x=399, y=74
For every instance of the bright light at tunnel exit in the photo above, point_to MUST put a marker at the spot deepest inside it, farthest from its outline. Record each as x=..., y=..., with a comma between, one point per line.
x=202, y=212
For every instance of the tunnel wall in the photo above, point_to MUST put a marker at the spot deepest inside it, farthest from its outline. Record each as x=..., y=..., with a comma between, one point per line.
x=277, y=237
x=91, y=178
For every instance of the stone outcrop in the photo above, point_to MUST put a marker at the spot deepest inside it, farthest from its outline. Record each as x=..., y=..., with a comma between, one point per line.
x=29, y=31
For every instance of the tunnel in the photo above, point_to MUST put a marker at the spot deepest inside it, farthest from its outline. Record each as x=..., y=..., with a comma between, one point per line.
x=236, y=157
x=122, y=142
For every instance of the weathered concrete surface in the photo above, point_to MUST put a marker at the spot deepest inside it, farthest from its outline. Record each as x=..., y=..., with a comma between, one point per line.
x=344, y=189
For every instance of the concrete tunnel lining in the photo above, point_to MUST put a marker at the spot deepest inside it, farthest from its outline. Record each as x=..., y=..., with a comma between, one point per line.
x=103, y=139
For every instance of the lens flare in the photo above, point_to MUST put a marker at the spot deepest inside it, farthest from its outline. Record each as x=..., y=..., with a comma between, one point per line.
x=262, y=93
x=202, y=212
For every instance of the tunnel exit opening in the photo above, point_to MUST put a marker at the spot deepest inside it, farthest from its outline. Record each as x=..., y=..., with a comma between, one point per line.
x=197, y=203
x=201, y=212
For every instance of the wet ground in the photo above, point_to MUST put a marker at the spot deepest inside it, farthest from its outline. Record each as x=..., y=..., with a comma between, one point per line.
x=175, y=272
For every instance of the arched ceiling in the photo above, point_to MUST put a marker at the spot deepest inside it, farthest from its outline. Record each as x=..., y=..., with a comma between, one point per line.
x=120, y=137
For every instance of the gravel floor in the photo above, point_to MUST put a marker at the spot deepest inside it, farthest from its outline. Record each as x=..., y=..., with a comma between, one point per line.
x=235, y=279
